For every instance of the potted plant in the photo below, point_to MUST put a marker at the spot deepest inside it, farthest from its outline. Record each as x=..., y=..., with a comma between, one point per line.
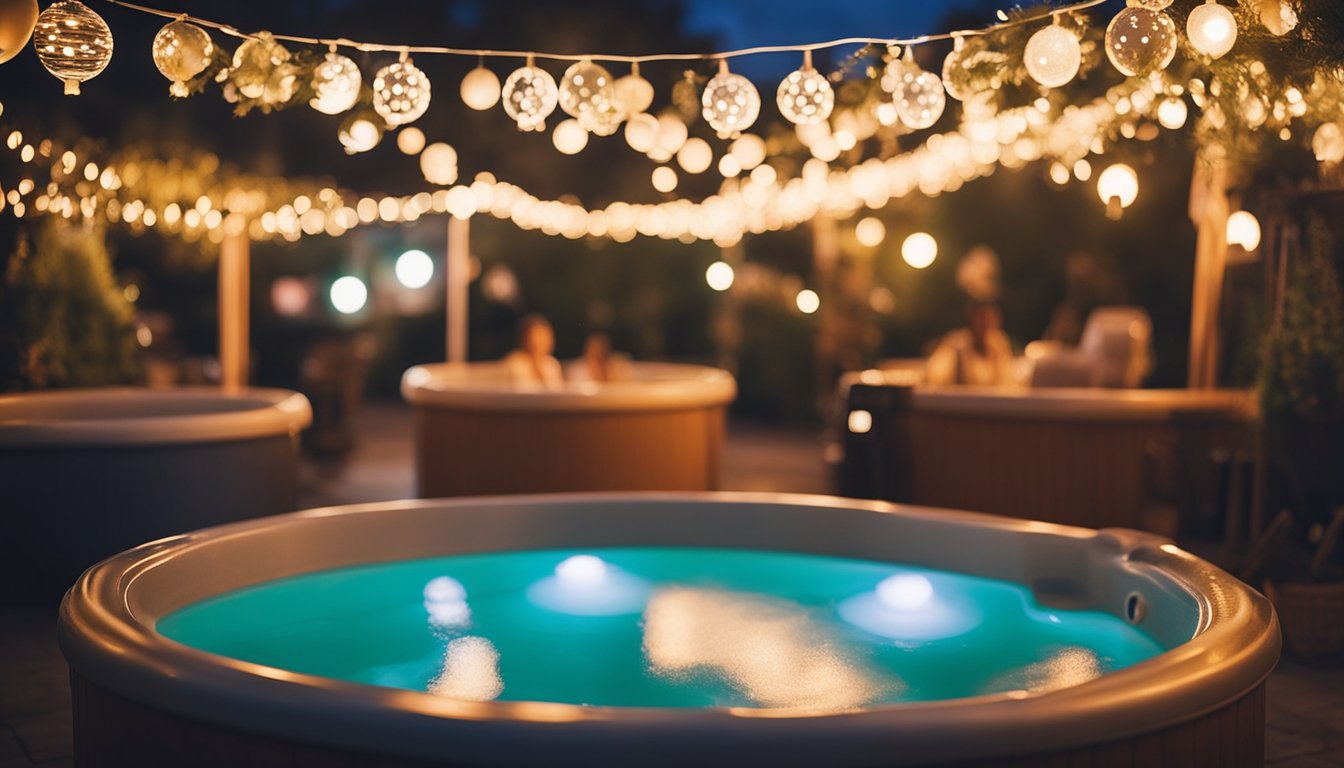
x=1302, y=404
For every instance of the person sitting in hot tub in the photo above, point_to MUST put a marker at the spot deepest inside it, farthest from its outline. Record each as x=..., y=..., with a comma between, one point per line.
x=978, y=354
x=599, y=363
x=532, y=365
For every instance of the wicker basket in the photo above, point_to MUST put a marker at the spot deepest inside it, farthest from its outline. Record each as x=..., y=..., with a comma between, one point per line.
x=1312, y=616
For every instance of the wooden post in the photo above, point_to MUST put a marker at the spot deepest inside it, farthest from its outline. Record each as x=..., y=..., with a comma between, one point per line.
x=457, y=279
x=1209, y=210
x=234, y=282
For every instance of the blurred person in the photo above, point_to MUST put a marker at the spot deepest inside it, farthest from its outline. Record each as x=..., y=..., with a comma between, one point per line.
x=532, y=364
x=599, y=363
x=978, y=354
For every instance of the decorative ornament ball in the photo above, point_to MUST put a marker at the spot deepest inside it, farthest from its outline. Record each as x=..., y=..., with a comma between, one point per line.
x=360, y=132
x=634, y=94
x=181, y=51
x=1212, y=29
x=1152, y=5
x=805, y=97
x=72, y=42
x=604, y=121
x=695, y=156
x=18, y=18
x=530, y=97
x=586, y=88
x=1053, y=56
x=972, y=68
x=1172, y=113
x=1328, y=143
x=919, y=98
x=730, y=104
x=336, y=83
x=262, y=70
x=1278, y=16
x=1140, y=41
x=400, y=93
x=480, y=89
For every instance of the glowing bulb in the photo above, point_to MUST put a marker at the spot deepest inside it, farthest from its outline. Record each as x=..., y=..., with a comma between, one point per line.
x=905, y=592
x=401, y=93
x=641, y=131
x=414, y=268
x=672, y=133
x=349, y=295
x=1118, y=185
x=530, y=96
x=1053, y=56
x=480, y=89
x=444, y=589
x=634, y=94
x=749, y=149
x=805, y=96
x=730, y=103
x=360, y=135
x=695, y=156
x=808, y=301
x=336, y=82
x=860, y=422
x=581, y=571
x=569, y=137
x=870, y=231
x=720, y=276
x=664, y=179
x=1212, y=29
x=919, y=250
x=1172, y=113
x=438, y=163
x=411, y=140
x=1243, y=229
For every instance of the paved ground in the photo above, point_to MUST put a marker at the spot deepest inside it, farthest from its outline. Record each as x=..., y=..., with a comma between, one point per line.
x=1306, y=704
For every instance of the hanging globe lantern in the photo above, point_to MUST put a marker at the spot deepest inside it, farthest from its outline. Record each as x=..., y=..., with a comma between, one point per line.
x=641, y=131
x=530, y=96
x=805, y=96
x=587, y=93
x=262, y=70
x=634, y=94
x=1141, y=41
x=569, y=137
x=480, y=89
x=730, y=103
x=400, y=92
x=17, y=20
x=360, y=132
x=1212, y=29
x=336, y=83
x=73, y=43
x=438, y=163
x=1053, y=56
x=181, y=51
x=919, y=96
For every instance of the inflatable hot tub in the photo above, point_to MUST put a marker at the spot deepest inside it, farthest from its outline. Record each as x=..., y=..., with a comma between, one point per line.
x=88, y=473
x=659, y=430
x=664, y=630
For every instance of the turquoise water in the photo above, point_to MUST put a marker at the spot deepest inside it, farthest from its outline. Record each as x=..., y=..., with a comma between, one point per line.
x=663, y=627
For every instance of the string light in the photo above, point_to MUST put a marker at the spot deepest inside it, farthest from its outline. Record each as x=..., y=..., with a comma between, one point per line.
x=634, y=94
x=919, y=96
x=401, y=92
x=1140, y=41
x=569, y=137
x=336, y=83
x=1053, y=56
x=181, y=51
x=587, y=93
x=530, y=96
x=480, y=88
x=730, y=103
x=805, y=96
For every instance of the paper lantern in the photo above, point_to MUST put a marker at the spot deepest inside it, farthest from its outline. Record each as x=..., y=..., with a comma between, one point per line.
x=530, y=96
x=17, y=20
x=336, y=83
x=1140, y=41
x=1053, y=56
x=730, y=103
x=181, y=51
x=480, y=89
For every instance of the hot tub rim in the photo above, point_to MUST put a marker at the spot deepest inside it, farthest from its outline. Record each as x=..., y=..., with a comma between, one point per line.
x=673, y=386
x=273, y=412
x=424, y=724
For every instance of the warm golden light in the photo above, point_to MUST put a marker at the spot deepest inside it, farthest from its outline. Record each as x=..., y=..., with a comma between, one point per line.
x=919, y=250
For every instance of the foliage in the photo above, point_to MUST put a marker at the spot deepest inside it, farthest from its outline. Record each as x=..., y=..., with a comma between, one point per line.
x=1302, y=372
x=64, y=320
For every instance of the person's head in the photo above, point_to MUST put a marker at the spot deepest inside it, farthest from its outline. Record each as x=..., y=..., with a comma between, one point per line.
x=535, y=335
x=983, y=318
x=597, y=347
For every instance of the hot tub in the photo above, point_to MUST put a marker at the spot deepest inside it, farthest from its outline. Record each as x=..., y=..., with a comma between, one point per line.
x=1197, y=699
x=662, y=430
x=1132, y=458
x=88, y=473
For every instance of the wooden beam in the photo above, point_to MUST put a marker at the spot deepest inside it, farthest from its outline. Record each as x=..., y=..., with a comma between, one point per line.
x=457, y=280
x=234, y=288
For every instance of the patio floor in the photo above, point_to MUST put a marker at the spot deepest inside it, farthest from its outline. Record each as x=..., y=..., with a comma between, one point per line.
x=1306, y=704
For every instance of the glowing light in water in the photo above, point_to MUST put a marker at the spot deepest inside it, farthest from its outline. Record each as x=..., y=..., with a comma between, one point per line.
x=1070, y=666
x=446, y=603
x=470, y=671
x=911, y=608
x=905, y=592
x=586, y=585
x=771, y=650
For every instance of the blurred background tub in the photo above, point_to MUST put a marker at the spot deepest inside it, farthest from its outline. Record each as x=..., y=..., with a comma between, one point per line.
x=1170, y=461
x=142, y=699
x=87, y=473
x=478, y=434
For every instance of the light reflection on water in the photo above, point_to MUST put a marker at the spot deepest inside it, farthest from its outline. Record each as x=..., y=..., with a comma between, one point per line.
x=663, y=627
